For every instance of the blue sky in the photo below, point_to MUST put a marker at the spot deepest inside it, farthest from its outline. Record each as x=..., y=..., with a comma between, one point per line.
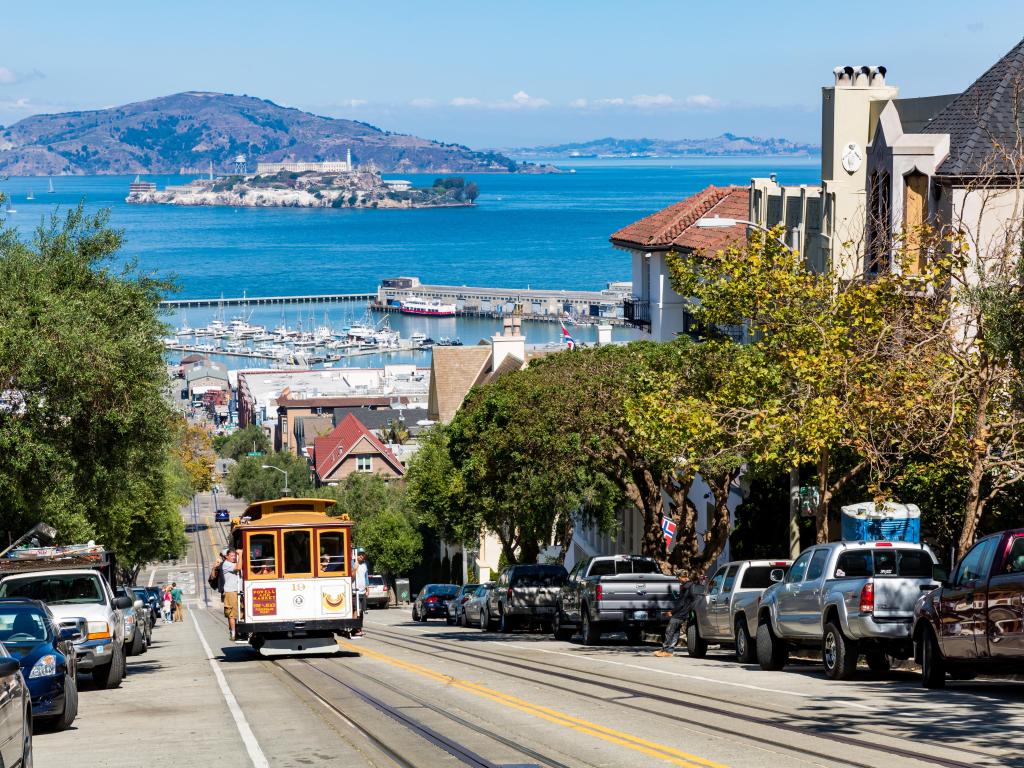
x=500, y=74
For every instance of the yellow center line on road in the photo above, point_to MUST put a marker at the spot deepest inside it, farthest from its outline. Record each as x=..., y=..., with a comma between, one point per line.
x=649, y=748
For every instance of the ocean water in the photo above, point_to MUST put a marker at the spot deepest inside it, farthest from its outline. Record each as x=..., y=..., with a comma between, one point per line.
x=540, y=231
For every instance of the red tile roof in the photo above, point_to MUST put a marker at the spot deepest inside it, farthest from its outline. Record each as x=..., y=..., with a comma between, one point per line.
x=331, y=449
x=673, y=228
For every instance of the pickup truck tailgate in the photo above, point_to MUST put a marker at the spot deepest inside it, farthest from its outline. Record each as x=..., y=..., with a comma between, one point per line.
x=895, y=597
x=637, y=590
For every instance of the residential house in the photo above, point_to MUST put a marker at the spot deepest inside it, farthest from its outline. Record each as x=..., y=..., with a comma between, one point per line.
x=301, y=420
x=352, y=448
x=655, y=307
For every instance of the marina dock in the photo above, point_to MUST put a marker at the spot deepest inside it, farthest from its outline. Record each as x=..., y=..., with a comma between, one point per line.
x=252, y=301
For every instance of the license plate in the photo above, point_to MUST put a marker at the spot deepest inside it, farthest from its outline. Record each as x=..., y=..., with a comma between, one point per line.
x=640, y=615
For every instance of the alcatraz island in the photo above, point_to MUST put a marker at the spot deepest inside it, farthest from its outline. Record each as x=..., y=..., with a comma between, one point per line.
x=299, y=184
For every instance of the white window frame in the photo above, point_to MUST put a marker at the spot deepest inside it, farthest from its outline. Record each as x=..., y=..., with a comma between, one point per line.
x=360, y=467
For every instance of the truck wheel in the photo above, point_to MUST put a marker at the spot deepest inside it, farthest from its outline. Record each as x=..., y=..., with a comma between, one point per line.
x=138, y=643
x=505, y=624
x=590, y=630
x=696, y=646
x=110, y=675
x=878, y=662
x=838, y=654
x=559, y=628
x=634, y=635
x=772, y=653
x=933, y=666
x=746, y=651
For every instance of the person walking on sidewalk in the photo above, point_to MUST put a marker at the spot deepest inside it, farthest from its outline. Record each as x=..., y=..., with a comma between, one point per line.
x=362, y=578
x=168, y=603
x=179, y=613
x=232, y=584
x=681, y=610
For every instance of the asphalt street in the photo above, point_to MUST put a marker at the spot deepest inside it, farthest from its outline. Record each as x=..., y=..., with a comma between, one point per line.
x=413, y=694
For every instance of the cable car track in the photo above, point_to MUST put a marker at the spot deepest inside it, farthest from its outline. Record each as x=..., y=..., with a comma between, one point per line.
x=460, y=752
x=693, y=701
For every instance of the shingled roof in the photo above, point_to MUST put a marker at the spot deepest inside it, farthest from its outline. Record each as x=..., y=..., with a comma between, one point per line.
x=453, y=372
x=330, y=450
x=985, y=121
x=674, y=228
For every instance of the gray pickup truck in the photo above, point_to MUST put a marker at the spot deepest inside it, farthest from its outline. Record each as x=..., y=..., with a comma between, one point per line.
x=616, y=593
x=727, y=611
x=846, y=598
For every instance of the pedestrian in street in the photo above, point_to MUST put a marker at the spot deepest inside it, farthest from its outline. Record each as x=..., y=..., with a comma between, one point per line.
x=232, y=584
x=179, y=611
x=362, y=578
x=168, y=603
x=681, y=610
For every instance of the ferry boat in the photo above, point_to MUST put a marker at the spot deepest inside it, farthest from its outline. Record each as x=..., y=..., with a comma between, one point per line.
x=414, y=306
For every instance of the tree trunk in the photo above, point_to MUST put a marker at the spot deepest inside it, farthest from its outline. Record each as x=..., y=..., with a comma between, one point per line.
x=824, y=497
x=974, y=505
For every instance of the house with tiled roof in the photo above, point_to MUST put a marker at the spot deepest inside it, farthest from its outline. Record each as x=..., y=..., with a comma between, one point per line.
x=352, y=448
x=655, y=307
x=890, y=164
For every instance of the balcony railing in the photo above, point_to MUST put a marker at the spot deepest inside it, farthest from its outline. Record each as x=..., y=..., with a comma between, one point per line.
x=637, y=312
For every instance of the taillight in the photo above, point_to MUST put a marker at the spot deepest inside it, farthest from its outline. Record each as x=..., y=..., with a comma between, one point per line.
x=431, y=599
x=508, y=595
x=867, y=598
x=465, y=598
x=883, y=543
x=599, y=591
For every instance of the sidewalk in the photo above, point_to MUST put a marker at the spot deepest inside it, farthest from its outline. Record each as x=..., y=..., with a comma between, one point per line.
x=167, y=713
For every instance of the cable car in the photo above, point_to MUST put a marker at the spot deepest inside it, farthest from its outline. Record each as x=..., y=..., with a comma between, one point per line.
x=298, y=584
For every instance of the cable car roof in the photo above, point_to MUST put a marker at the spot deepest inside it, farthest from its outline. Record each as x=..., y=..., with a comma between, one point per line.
x=290, y=511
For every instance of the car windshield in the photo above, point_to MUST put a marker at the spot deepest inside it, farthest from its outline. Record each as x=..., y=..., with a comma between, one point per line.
x=443, y=590
x=547, y=577
x=55, y=590
x=22, y=624
x=907, y=563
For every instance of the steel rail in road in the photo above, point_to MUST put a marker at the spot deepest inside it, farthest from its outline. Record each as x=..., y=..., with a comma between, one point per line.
x=460, y=653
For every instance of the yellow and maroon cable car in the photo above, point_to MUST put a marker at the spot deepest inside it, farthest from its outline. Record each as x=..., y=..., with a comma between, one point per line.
x=297, y=576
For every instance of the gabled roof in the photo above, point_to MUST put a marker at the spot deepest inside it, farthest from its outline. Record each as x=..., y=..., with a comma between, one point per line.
x=332, y=449
x=674, y=228
x=985, y=121
x=453, y=372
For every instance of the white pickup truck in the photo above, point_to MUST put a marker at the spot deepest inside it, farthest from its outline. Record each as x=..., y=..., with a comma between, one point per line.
x=74, y=595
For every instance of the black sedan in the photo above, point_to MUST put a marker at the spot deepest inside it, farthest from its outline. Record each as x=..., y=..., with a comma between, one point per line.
x=15, y=713
x=46, y=654
x=432, y=601
x=221, y=516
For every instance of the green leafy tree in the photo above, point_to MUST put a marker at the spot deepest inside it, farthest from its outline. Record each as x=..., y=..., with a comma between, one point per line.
x=435, y=490
x=243, y=441
x=248, y=480
x=87, y=439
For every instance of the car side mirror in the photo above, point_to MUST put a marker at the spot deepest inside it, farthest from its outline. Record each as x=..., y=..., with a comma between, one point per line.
x=940, y=575
x=9, y=666
x=776, y=575
x=72, y=634
x=122, y=602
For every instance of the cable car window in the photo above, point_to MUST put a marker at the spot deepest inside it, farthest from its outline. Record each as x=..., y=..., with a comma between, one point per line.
x=262, y=560
x=298, y=553
x=332, y=551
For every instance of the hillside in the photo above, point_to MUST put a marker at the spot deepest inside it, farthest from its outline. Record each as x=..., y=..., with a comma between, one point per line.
x=191, y=130
x=726, y=145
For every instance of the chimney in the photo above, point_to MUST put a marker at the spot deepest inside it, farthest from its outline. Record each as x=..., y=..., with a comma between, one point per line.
x=604, y=335
x=509, y=342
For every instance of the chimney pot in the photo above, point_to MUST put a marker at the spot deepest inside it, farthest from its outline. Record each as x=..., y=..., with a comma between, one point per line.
x=862, y=78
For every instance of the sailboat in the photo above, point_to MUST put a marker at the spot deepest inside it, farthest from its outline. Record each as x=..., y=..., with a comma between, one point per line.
x=10, y=208
x=50, y=190
x=30, y=196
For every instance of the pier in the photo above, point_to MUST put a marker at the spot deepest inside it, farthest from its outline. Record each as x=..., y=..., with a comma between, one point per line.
x=252, y=301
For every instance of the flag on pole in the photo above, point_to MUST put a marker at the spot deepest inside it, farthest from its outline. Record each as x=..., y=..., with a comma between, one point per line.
x=668, y=527
x=570, y=342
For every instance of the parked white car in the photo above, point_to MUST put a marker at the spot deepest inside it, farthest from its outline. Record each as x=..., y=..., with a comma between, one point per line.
x=377, y=595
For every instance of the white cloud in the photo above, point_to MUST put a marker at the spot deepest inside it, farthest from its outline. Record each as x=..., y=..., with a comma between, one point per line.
x=523, y=99
x=423, y=103
x=7, y=76
x=701, y=100
x=352, y=103
x=578, y=103
x=465, y=101
x=616, y=102
x=19, y=105
x=10, y=77
x=645, y=101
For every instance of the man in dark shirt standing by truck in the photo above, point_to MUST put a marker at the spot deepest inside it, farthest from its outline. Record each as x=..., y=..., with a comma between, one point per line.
x=681, y=610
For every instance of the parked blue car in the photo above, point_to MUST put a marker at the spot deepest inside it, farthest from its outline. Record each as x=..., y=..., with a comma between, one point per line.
x=30, y=633
x=221, y=516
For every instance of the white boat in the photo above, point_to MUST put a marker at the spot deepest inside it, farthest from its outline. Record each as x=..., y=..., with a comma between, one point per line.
x=10, y=208
x=30, y=196
x=417, y=337
x=185, y=329
x=411, y=305
x=50, y=190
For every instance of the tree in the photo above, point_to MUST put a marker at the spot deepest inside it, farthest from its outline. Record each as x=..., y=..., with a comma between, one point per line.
x=248, y=480
x=435, y=490
x=196, y=453
x=87, y=439
x=472, y=191
x=243, y=441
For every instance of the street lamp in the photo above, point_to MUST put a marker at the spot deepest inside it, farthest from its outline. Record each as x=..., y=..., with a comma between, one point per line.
x=284, y=490
x=717, y=222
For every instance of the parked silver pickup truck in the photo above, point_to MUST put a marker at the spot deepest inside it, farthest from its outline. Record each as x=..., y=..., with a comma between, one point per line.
x=848, y=599
x=727, y=611
x=614, y=593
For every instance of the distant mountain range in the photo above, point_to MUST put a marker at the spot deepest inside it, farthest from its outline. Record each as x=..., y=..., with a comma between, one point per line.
x=726, y=145
x=194, y=129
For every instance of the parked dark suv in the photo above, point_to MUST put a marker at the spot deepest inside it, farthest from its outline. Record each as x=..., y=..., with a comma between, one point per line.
x=525, y=595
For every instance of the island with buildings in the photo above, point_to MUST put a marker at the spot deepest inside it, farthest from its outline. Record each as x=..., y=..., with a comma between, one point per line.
x=298, y=184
